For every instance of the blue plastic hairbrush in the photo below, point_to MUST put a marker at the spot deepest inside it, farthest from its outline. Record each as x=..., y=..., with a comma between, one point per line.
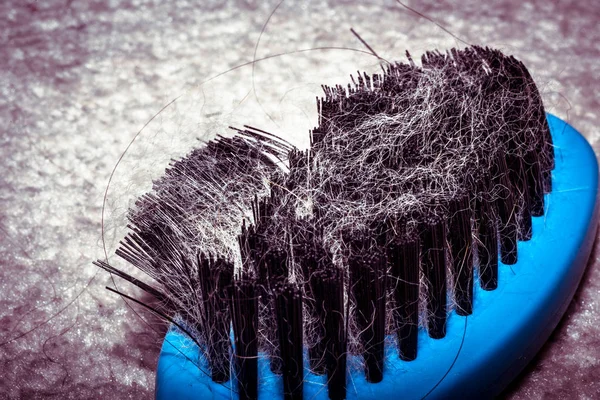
x=482, y=353
x=425, y=245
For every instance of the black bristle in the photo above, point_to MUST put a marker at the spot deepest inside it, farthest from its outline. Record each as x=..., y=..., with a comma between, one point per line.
x=317, y=352
x=518, y=179
x=367, y=267
x=244, y=312
x=547, y=180
x=312, y=257
x=433, y=261
x=275, y=261
x=272, y=266
x=525, y=231
x=289, y=327
x=487, y=249
x=540, y=127
x=507, y=213
x=461, y=249
x=142, y=285
x=215, y=278
x=404, y=260
x=535, y=184
x=336, y=340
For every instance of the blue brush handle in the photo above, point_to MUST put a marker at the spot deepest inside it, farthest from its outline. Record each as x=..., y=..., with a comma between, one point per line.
x=481, y=353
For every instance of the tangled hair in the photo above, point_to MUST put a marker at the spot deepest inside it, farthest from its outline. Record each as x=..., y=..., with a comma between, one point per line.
x=414, y=178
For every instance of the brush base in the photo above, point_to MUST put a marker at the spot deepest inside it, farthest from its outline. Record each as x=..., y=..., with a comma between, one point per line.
x=482, y=353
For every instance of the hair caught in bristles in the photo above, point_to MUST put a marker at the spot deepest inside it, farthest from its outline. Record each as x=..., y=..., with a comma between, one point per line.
x=416, y=179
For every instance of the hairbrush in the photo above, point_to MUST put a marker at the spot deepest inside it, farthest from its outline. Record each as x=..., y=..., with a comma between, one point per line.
x=425, y=245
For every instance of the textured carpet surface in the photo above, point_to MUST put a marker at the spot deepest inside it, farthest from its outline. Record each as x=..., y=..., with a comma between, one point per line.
x=79, y=78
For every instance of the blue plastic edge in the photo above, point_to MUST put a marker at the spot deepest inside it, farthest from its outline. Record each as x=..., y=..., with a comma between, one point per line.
x=481, y=354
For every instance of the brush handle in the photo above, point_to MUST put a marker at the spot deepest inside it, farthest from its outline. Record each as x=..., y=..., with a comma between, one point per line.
x=481, y=353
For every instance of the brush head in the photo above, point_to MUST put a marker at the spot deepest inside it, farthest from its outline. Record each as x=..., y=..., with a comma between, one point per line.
x=417, y=183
